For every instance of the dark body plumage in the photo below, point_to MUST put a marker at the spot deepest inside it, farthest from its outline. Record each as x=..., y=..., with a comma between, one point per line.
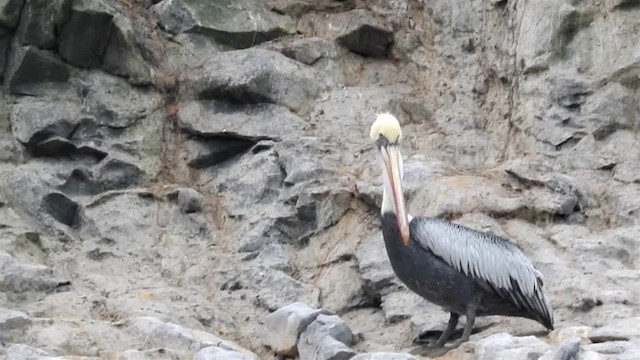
x=431, y=277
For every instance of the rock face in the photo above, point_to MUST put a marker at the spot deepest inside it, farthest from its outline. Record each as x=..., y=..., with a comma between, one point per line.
x=240, y=25
x=194, y=178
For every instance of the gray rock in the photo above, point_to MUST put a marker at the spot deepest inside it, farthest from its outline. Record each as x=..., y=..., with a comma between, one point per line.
x=24, y=352
x=282, y=328
x=10, y=150
x=54, y=146
x=17, y=278
x=254, y=76
x=326, y=338
x=384, y=356
x=537, y=54
x=216, y=353
x=5, y=44
x=273, y=255
x=623, y=350
x=11, y=320
x=30, y=68
x=10, y=13
x=359, y=30
x=61, y=208
x=259, y=235
x=307, y=50
x=306, y=159
x=174, y=336
x=570, y=332
x=296, y=8
x=205, y=152
x=625, y=329
x=624, y=4
x=364, y=33
x=221, y=119
x=373, y=263
x=114, y=102
x=255, y=178
x=505, y=346
x=110, y=174
x=566, y=350
x=122, y=55
x=275, y=289
x=609, y=109
x=400, y=305
x=237, y=24
x=341, y=287
x=85, y=34
x=190, y=200
x=34, y=119
x=188, y=49
x=322, y=205
x=451, y=195
x=115, y=173
x=627, y=172
x=151, y=354
x=40, y=20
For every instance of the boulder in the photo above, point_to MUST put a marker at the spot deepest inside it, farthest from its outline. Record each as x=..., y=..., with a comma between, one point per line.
x=384, y=356
x=30, y=68
x=282, y=328
x=204, y=152
x=61, y=208
x=166, y=334
x=34, y=120
x=373, y=263
x=307, y=50
x=253, y=122
x=122, y=55
x=24, y=352
x=158, y=353
x=40, y=21
x=625, y=329
x=114, y=102
x=190, y=200
x=17, y=278
x=218, y=353
x=5, y=44
x=11, y=321
x=358, y=30
x=85, y=34
x=240, y=24
x=504, y=346
x=10, y=13
x=327, y=338
x=254, y=76
x=365, y=34
x=274, y=289
x=569, y=349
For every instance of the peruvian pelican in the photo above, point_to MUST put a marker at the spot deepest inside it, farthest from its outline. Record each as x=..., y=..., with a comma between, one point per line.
x=466, y=272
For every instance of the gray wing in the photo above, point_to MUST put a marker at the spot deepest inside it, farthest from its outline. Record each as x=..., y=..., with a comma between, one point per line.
x=487, y=258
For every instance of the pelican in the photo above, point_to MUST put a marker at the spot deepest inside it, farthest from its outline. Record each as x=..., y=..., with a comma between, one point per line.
x=464, y=271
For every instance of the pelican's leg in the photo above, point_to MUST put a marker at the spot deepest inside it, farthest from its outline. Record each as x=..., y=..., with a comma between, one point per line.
x=471, y=319
x=451, y=327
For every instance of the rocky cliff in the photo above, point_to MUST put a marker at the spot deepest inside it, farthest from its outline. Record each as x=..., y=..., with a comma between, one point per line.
x=173, y=172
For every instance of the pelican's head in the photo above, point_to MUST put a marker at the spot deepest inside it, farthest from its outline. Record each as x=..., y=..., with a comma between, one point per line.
x=386, y=134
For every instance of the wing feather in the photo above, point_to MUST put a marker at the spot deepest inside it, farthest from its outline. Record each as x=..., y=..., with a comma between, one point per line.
x=487, y=258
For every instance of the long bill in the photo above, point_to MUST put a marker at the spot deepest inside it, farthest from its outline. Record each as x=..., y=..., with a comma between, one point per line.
x=393, y=182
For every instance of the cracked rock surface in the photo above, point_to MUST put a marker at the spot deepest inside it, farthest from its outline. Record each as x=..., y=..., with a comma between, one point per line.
x=194, y=178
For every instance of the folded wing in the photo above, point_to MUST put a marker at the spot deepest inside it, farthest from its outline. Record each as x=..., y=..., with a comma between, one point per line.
x=487, y=258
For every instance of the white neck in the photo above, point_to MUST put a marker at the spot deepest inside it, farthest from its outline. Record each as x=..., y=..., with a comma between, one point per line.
x=387, y=205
